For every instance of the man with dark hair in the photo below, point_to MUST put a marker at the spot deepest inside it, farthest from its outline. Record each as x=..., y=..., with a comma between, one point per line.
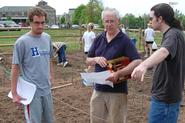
x=31, y=60
x=169, y=75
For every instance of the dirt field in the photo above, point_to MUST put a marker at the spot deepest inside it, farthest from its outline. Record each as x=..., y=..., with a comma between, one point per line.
x=71, y=103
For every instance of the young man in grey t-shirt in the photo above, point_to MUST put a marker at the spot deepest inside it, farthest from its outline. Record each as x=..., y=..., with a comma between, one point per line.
x=31, y=59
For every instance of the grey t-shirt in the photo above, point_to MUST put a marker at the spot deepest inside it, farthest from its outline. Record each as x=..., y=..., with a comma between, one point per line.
x=32, y=54
x=169, y=74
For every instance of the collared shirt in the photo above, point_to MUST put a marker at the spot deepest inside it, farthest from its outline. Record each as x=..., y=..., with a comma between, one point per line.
x=119, y=46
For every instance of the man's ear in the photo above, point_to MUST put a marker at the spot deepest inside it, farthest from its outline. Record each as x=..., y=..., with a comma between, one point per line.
x=160, y=19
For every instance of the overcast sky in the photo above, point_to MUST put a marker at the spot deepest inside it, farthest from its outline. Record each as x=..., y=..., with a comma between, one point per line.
x=136, y=7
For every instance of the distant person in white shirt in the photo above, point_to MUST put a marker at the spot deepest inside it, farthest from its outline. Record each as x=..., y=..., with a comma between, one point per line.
x=149, y=39
x=122, y=26
x=88, y=38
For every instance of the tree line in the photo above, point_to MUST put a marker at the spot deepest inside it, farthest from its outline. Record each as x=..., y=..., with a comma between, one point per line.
x=91, y=12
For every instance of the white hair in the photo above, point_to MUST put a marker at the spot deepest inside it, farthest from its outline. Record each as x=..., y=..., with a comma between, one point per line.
x=113, y=11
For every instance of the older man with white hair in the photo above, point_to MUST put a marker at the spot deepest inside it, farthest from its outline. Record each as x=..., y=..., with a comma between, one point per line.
x=109, y=104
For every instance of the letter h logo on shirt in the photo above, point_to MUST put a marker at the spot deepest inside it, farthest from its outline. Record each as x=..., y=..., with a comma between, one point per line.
x=35, y=52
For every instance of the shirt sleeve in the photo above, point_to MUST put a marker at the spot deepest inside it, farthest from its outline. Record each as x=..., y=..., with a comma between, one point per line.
x=131, y=51
x=18, y=52
x=170, y=43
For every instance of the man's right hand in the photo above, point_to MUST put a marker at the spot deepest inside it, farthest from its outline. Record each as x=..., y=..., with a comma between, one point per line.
x=101, y=61
x=17, y=98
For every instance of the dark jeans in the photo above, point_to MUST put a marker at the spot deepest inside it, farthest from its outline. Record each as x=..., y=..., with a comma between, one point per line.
x=62, y=54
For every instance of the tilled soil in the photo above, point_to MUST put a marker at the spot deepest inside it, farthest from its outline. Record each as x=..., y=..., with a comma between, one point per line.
x=71, y=102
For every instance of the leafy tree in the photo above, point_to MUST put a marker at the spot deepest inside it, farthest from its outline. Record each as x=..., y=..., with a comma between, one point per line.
x=94, y=9
x=92, y=13
x=62, y=19
x=180, y=17
x=8, y=18
x=145, y=20
x=79, y=15
x=130, y=21
x=88, y=13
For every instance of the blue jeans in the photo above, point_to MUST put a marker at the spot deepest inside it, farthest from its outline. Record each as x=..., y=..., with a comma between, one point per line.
x=62, y=54
x=161, y=112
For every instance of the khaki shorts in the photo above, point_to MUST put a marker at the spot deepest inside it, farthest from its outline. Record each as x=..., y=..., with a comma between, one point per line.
x=106, y=107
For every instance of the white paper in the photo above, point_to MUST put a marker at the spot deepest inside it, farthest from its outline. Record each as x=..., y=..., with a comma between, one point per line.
x=96, y=77
x=25, y=90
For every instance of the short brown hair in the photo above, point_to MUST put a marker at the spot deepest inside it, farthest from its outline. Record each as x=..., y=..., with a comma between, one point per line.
x=36, y=11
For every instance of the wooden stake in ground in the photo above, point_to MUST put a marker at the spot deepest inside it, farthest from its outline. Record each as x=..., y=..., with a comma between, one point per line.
x=61, y=86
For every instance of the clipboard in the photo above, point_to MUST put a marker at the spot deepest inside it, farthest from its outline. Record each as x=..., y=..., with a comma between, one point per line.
x=25, y=90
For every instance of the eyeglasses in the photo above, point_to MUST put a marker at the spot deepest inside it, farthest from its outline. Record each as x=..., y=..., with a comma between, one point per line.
x=109, y=21
x=38, y=23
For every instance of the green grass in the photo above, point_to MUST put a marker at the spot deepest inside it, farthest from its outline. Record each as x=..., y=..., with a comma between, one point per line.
x=55, y=34
x=71, y=37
